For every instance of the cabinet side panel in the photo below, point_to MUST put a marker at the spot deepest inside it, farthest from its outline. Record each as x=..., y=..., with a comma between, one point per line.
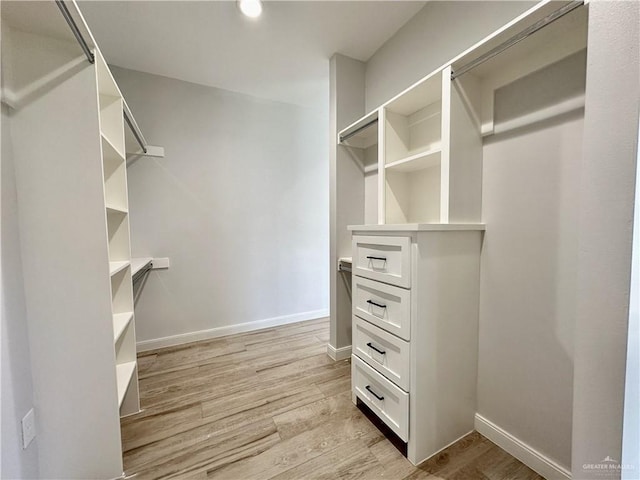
x=465, y=157
x=347, y=189
x=64, y=256
x=444, y=339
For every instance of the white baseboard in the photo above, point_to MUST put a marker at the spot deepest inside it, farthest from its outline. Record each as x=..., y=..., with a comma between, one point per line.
x=173, y=340
x=523, y=452
x=338, y=354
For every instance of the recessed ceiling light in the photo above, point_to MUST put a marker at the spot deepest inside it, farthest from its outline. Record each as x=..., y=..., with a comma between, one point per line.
x=251, y=8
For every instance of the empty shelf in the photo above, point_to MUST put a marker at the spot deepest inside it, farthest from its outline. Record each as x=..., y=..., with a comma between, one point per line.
x=109, y=151
x=115, y=267
x=124, y=374
x=419, y=161
x=138, y=264
x=114, y=209
x=120, y=322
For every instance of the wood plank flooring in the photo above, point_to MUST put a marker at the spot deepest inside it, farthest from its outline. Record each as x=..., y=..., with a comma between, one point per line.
x=272, y=405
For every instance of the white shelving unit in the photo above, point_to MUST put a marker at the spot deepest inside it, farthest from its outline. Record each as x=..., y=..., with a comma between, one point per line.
x=415, y=274
x=84, y=369
x=428, y=138
x=117, y=214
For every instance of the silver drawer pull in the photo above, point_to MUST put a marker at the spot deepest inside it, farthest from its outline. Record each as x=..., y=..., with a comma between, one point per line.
x=379, y=397
x=381, y=352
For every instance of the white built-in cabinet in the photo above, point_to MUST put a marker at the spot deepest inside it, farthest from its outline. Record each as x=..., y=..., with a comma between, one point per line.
x=68, y=146
x=425, y=175
x=415, y=272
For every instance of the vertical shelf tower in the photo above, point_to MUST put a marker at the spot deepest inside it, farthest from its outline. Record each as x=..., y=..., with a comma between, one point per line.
x=67, y=137
x=114, y=168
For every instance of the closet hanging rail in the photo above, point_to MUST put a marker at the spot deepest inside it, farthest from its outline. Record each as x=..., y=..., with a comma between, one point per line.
x=552, y=17
x=357, y=130
x=91, y=58
x=134, y=129
x=76, y=31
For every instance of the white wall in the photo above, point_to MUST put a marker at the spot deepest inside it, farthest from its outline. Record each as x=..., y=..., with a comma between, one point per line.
x=607, y=188
x=527, y=283
x=347, y=190
x=436, y=34
x=17, y=389
x=239, y=204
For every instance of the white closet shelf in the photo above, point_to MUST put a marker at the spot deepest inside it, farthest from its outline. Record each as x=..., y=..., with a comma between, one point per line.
x=109, y=151
x=124, y=374
x=115, y=267
x=416, y=227
x=345, y=264
x=418, y=161
x=120, y=323
x=423, y=93
x=114, y=209
x=138, y=264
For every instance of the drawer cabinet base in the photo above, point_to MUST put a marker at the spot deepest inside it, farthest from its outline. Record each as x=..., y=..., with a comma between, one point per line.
x=386, y=400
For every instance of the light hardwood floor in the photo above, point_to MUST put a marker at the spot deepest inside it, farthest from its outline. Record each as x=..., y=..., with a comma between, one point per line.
x=272, y=405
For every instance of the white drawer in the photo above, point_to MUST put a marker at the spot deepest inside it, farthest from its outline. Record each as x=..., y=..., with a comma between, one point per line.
x=386, y=353
x=385, y=259
x=386, y=400
x=385, y=306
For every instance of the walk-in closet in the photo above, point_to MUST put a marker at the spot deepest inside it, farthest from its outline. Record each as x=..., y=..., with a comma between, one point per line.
x=250, y=239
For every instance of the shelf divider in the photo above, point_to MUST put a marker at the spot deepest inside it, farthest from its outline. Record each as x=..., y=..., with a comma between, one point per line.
x=115, y=267
x=124, y=374
x=418, y=161
x=120, y=323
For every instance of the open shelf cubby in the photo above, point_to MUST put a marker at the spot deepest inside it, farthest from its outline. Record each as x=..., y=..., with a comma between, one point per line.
x=126, y=345
x=413, y=153
x=121, y=321
x=413, y=196
x=413, y=122
x=115, y=177
x=112, y=121
x=122, y=289
x=125, y=372
x=118, y=234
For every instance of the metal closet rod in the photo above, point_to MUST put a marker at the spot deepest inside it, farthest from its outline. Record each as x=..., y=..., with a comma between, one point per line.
x=76, y=31
x=357, y=130
x=552, y=17
x=134, y=131
x=91, y=58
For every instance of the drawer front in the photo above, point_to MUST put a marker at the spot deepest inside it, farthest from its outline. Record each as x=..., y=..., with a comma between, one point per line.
x=385, y=306
x=386, y=353
x=385, y=259
x=386, y=400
